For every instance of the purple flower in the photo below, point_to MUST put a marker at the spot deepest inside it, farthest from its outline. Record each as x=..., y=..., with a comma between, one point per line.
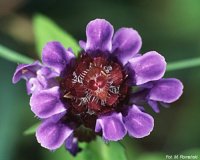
x=94, y=91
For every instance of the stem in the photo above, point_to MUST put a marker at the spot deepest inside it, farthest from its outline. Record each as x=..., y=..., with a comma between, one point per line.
x=14, y=56
x=194, y=62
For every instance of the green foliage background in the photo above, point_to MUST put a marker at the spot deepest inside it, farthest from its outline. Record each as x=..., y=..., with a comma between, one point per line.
x=171, y=27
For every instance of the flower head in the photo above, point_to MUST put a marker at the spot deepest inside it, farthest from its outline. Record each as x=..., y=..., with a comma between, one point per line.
x=94, y=90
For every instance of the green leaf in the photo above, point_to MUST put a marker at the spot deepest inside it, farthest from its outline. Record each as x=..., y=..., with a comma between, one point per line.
x=31, y=130
x=46, y=30
x=14, y=56
x=96, y=150
x=189, y=63
x=99, y=150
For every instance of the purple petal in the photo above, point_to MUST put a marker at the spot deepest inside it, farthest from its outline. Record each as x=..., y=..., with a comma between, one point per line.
x=154, y=106
x=149, y=67
x=126, y=43
x=112, y=126
x=51, y=134
x=46, y=103
x=82, y=44
x=166, y=90
x=47, y=72
x=138, y=123
x=99, y=33
x=33, y=85
x=26, y=71
x=54, y=55
x=71, y=144
x=47, y=77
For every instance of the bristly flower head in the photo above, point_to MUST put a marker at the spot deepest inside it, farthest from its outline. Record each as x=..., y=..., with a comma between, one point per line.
x=94, y=91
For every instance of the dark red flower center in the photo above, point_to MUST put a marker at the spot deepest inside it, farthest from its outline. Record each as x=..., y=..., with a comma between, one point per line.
x=94, y=85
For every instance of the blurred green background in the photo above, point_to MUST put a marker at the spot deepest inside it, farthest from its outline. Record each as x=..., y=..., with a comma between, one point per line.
x=171, y=27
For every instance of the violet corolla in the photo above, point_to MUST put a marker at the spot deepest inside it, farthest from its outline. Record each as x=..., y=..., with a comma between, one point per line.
x=94, y=91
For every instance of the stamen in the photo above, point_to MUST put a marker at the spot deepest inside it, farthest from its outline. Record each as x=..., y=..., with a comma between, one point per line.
x=114, y=89
x=68, y=95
